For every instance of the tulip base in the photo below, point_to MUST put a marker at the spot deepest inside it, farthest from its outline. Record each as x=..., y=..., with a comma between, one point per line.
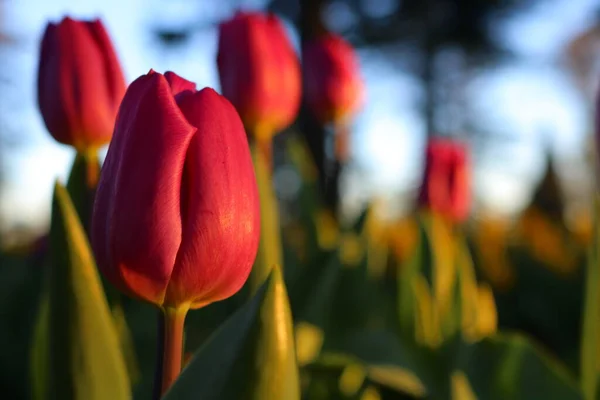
x=170, y=348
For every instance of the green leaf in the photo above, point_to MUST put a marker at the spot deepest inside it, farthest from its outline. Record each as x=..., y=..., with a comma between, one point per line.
x=359, y=224
x=309, y=200
x=251, y=356
x=390, y=360
x=591, y=316
x=466, y=310
x=407, y=306
x=509, y=366
x=356, y=304
x=81, y=186
x=39, y=352
x=315, y=291
x=313, y=307
x=400, y=379
x=83, y=358
x=349, y=374
x=126, y=343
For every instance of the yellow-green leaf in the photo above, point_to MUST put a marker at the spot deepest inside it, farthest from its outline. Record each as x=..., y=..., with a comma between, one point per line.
x=591, y=315
x=407, y=304
x=250, y=357
x=39, y=352
x=461, y=388
x=84, y=358
x=81, y=186
x=509, y=366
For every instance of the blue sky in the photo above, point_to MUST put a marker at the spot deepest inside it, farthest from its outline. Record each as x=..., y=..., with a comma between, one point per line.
x=388, y=136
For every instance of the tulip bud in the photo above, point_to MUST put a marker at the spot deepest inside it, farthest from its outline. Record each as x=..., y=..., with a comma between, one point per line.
x=176, y=217
x=333, y=87
x=259, y=72
x=446, y=182
x=80, y=83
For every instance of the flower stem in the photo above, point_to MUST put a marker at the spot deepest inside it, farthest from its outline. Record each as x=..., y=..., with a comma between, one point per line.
x=269, y=249
x=342, y=142
x=172, y=345
x=82, y=183
x=92, y=162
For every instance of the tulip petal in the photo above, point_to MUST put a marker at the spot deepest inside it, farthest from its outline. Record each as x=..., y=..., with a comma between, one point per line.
x=232, y=79
x=48, y=85
x=137, y=225
x=286, y=61
x=114, y=75
x=179, y=84
x=460, y=184
x=446, y=180
x=220, y=209
x=259, y=70
x=73, y=95
x=332, y=83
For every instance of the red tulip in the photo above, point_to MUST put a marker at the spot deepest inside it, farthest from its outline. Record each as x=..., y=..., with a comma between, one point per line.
x=333, y=86
x=259, y=72
x=80, y=83
x=446, y=183
x=176, y=217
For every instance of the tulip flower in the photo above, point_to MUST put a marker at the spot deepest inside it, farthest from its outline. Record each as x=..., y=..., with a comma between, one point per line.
x=80, y=83
x=446, y=182
x=176, y=219
x=333, y=93
x=333, y=87
x=259, y=72
x=176, y=215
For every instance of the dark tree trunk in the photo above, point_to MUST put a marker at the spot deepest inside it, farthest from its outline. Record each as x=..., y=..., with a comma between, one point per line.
x=311, y=27
x=428, y=74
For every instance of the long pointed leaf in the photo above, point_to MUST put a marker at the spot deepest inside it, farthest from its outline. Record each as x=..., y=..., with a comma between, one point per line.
x=81, y=186
x=84, y=359
x=591, y=315
x=251, y=356
x=407, y=305
x=510, y=367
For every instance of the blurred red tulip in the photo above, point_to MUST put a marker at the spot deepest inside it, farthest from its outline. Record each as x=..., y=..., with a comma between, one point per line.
x=446, y=185
x=176, y=219
x=80, y=83
x=259, y=72
x=333, y=86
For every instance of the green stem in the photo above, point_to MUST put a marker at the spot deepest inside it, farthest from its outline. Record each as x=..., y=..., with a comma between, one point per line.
x=174, y=319
x=341, y=153
x=82, y=183
x=269, y=249
x=591, y=308
x=86, y=166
